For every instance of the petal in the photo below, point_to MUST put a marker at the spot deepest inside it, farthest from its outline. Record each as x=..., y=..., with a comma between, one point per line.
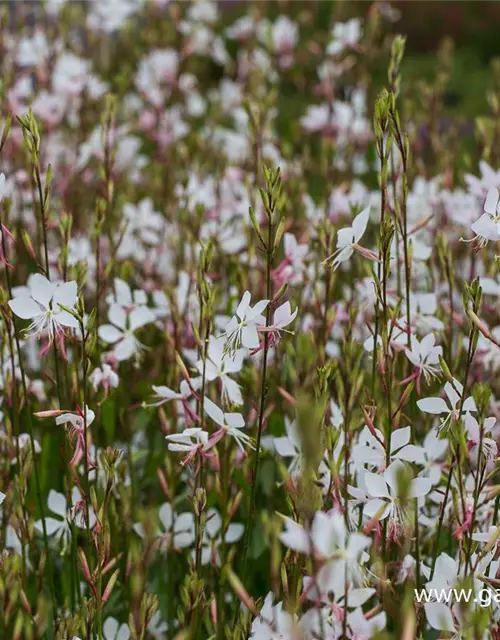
x=41, y=289
x=359, y=224
x=439, y=616
x=110, y=629
x=412, y=453
x=25, y=308
x=491, y=202
x=419, y=487
x=234, y=420
x=295, y=537
x=213, y=523
x=57, y=503
x=469, y=404
x=453, y=392
x=123, y=292
x=109, y=334
x=433, y=405
x=140, y=316
x=250, y=337
x=214, y=412
x=117, y=316
x=284, y=447
x=165, y=516
x=399, y=438
x=485, y=227
x=51, y=524
x=66, y=294
x=376, y=485
x=392, y=475
x=125, y=349
x=66, y=319
x=234, y=532
x=377, y=505
x=243, y=305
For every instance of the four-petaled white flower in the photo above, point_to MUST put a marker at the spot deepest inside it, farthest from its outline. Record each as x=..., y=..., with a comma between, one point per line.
x=341, y=552
x=451, y=410
x=39, y=302
x=219, y=365
x=386, y=496
x=478, y=442
x=230, y=423
x=180, y=529
x=424, y=355
x=348, y=239
x=121, y=330
x=242, y=328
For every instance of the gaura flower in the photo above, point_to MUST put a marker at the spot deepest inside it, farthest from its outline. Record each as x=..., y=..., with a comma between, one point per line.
x=39, y=302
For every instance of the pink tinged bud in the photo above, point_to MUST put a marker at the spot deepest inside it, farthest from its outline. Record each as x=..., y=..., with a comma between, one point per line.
x=163, y=483
x=213, y=610
x=53, y=413
x=110, y=585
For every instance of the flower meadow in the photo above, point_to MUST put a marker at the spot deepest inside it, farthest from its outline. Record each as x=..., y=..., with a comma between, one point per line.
x=249, y=328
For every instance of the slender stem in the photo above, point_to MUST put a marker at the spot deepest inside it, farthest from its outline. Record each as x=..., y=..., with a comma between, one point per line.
x=263, y=391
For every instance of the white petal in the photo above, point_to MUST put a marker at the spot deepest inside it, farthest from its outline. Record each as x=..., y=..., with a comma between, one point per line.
x=284, y=447
x=294, y=537
x=214, y=412
x=420, y=487
x=140, y=316
x=25, y=308
x=376, y=485
x=234, y=532
x=41, y=289
x=125, y=349
x=243, y=305
x=66, y=319
x=117, y=316
x=234, y=420
x=433, y=405
x=57, y=503
x=250, y=337
x=165, y=516
x=66, y=294
x=399, y=438
x=491, y=202
x=359, y=224
x=439, y=616
x=109, y=333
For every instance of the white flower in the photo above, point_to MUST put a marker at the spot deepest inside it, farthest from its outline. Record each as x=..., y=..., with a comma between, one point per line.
x=289, y=446
x=341, y=551
x=437, y=406
x=283, y=316
x=424, y=355
x=40, y=304
x=348, y=238
x=212, y=537
x=477, y=438
x=219, y=365
x=60, y=527
x=122, y=333
x=179, y=528
x=230, y=423
x=104, y=376
x=344, y=35
x=385, y=489
x=188, y=441
x=242, y=328
x=112, y=630
x=273, y=623
x=124, y=296
x=370, y=450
